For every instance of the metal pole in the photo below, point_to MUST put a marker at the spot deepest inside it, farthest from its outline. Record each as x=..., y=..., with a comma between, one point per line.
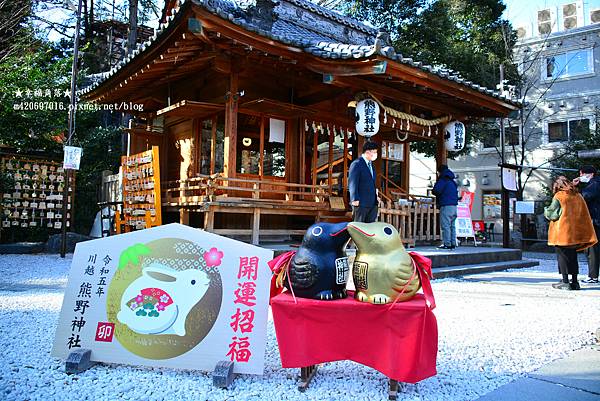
x=504, y=194
x=72, y=106
x=522, y=166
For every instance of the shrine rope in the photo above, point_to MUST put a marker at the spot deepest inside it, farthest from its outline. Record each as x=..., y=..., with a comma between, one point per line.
x=408, y=117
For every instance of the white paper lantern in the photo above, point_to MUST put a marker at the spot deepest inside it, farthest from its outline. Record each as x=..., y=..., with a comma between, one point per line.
x=454, y=135
x=367, y=117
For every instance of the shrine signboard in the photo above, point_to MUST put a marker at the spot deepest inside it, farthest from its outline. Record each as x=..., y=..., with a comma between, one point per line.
x=464, y=225
x=170, y=296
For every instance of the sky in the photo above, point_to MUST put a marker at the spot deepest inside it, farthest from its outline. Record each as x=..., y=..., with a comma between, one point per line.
x=523, y=12
x=519, y=12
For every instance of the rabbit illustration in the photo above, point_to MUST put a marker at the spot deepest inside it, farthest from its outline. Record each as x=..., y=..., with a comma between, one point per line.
x=159, y=301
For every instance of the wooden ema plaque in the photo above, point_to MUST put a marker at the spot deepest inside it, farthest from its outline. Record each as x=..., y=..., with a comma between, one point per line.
x=35, y=198
x=141, y=192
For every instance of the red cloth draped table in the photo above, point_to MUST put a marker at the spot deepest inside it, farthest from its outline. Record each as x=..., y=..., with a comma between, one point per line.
x=400, y=342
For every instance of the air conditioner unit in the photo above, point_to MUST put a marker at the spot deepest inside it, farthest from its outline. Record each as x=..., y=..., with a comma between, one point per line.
x=572, y=14
x=595, y=16
x=570, y=23
x=546, y=21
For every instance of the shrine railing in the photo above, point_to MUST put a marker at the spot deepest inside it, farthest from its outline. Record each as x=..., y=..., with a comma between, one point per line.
x=202, y=189
x=416, y=218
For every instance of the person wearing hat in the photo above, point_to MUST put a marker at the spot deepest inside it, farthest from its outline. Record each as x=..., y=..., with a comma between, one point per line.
x=590, y=183
x=361, y=184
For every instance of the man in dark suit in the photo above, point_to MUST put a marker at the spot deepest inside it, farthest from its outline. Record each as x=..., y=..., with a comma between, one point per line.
x=361, y=183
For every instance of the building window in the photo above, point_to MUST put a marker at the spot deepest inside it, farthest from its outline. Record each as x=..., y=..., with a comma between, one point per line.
x=274, y=152
x=512, y=137
x=212, y=137
x=392, y=154
x=254, y=133
x=323, y=162
x=219, y=139
x=492, y=206
x=568, y=130
x=491, y=140
x=248, y=144
x=206, y=146
x=337, y=162
x=570, y=64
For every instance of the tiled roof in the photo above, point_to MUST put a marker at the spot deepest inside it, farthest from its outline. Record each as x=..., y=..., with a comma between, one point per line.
x=297, y=31
x=342, y=19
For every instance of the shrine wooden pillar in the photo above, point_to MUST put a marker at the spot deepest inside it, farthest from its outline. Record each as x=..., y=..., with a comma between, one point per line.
x=441, y=155
x=231, y=121
x=406, y=170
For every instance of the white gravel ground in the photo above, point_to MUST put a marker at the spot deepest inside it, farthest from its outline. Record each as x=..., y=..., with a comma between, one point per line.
x=492, y=329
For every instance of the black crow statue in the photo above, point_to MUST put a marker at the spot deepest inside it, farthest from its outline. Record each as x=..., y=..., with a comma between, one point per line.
x=319, y=270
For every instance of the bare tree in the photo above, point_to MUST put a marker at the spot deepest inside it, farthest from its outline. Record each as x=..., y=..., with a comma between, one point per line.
x=12, y=18
x=532, y=92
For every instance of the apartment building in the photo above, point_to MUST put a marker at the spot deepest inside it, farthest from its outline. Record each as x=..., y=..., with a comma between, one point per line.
x=558, y=56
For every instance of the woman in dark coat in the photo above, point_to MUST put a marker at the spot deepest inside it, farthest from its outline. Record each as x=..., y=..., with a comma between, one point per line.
x=570, y=230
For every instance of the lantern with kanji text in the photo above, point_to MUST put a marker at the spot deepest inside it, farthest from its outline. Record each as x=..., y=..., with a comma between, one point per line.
x=455, y=136
x=367, y=117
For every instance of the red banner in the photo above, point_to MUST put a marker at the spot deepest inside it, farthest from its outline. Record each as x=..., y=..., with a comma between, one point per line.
x=468, y=198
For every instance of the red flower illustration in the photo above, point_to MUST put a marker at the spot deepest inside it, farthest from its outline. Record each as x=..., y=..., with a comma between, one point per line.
x=213, y=257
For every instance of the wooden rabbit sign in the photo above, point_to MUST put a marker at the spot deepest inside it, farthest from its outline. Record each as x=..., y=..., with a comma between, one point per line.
x=171, y=296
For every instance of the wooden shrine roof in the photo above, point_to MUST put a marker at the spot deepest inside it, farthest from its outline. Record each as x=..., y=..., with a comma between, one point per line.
x=191, y=109
x=344, y=50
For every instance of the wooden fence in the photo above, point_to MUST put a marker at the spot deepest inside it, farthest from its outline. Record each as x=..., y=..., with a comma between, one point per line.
x=416, y=218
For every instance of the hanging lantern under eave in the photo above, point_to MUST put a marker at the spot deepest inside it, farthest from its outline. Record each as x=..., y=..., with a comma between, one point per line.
x=455, y=136
x=367, y=117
